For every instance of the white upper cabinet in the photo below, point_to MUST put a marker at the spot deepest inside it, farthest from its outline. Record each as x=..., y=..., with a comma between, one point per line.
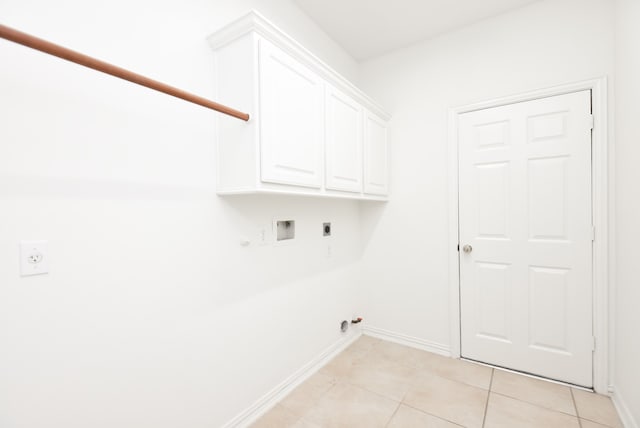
x=376, y=168
x=291, y=101
x=310, y=131
x=343, y=155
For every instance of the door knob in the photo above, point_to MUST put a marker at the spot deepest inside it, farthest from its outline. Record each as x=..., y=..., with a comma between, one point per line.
x=467, y=248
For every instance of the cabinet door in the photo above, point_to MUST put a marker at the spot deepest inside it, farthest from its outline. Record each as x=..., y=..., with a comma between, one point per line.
x=375, y=156
x=291, y=117
x=343, y=167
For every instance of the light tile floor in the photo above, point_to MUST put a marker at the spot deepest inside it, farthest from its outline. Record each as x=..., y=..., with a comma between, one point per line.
x=375, y=383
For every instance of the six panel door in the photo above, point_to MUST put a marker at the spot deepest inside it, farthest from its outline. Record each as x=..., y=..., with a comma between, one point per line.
x=291, y=122
x=526, y=223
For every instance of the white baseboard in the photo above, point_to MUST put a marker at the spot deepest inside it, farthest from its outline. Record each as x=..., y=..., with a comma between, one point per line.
x=403, y=339
x=271, y=398
x=628, y=421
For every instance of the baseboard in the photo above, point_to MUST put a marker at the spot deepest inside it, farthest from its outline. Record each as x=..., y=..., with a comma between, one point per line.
x=403, y=339
x=271, y=398
x=626, y=417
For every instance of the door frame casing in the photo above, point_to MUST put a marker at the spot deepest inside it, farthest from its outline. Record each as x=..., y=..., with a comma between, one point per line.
x=601, y=212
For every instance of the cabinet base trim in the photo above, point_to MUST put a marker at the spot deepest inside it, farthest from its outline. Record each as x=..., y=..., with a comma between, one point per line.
x=357, y=197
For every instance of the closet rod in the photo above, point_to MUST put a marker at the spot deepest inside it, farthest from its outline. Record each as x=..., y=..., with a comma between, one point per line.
x=104, y=67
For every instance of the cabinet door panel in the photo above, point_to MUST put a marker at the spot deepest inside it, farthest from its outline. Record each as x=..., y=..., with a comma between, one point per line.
x=375, y=156
x=343, y=142
x=291, y=104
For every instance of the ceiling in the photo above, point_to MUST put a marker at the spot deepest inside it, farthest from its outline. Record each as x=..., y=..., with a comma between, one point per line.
x=368, y=28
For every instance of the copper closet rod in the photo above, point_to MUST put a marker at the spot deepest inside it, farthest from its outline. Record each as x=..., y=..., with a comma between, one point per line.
x=73, y=56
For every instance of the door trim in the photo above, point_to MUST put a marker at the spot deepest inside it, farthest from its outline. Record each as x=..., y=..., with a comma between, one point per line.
x=602, y=210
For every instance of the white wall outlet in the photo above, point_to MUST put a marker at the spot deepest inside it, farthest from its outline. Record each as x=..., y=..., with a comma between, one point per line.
x=34, y=259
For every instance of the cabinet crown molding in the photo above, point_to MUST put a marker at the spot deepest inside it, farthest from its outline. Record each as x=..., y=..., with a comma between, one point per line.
x=255, y=22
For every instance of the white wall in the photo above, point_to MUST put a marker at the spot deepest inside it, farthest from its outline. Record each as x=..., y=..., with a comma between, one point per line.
x=553, y=42
x=627, y=374
x=152, y=315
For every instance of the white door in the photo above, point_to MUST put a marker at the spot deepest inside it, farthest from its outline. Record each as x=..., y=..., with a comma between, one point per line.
x=375, y=155
x=343, y=142
x=291, y=118
x=525, y=215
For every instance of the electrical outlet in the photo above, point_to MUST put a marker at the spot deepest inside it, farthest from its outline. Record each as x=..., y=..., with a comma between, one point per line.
x=34, y=259
x=326, y=229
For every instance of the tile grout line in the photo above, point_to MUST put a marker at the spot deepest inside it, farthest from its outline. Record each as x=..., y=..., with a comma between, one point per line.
x=393, y=415
x=347, y=381
x=431, y=414
x=521, y=400
x=374, y=349
x=585, y=418
x=404, y=403
x=575, y=407
x=486, y=406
